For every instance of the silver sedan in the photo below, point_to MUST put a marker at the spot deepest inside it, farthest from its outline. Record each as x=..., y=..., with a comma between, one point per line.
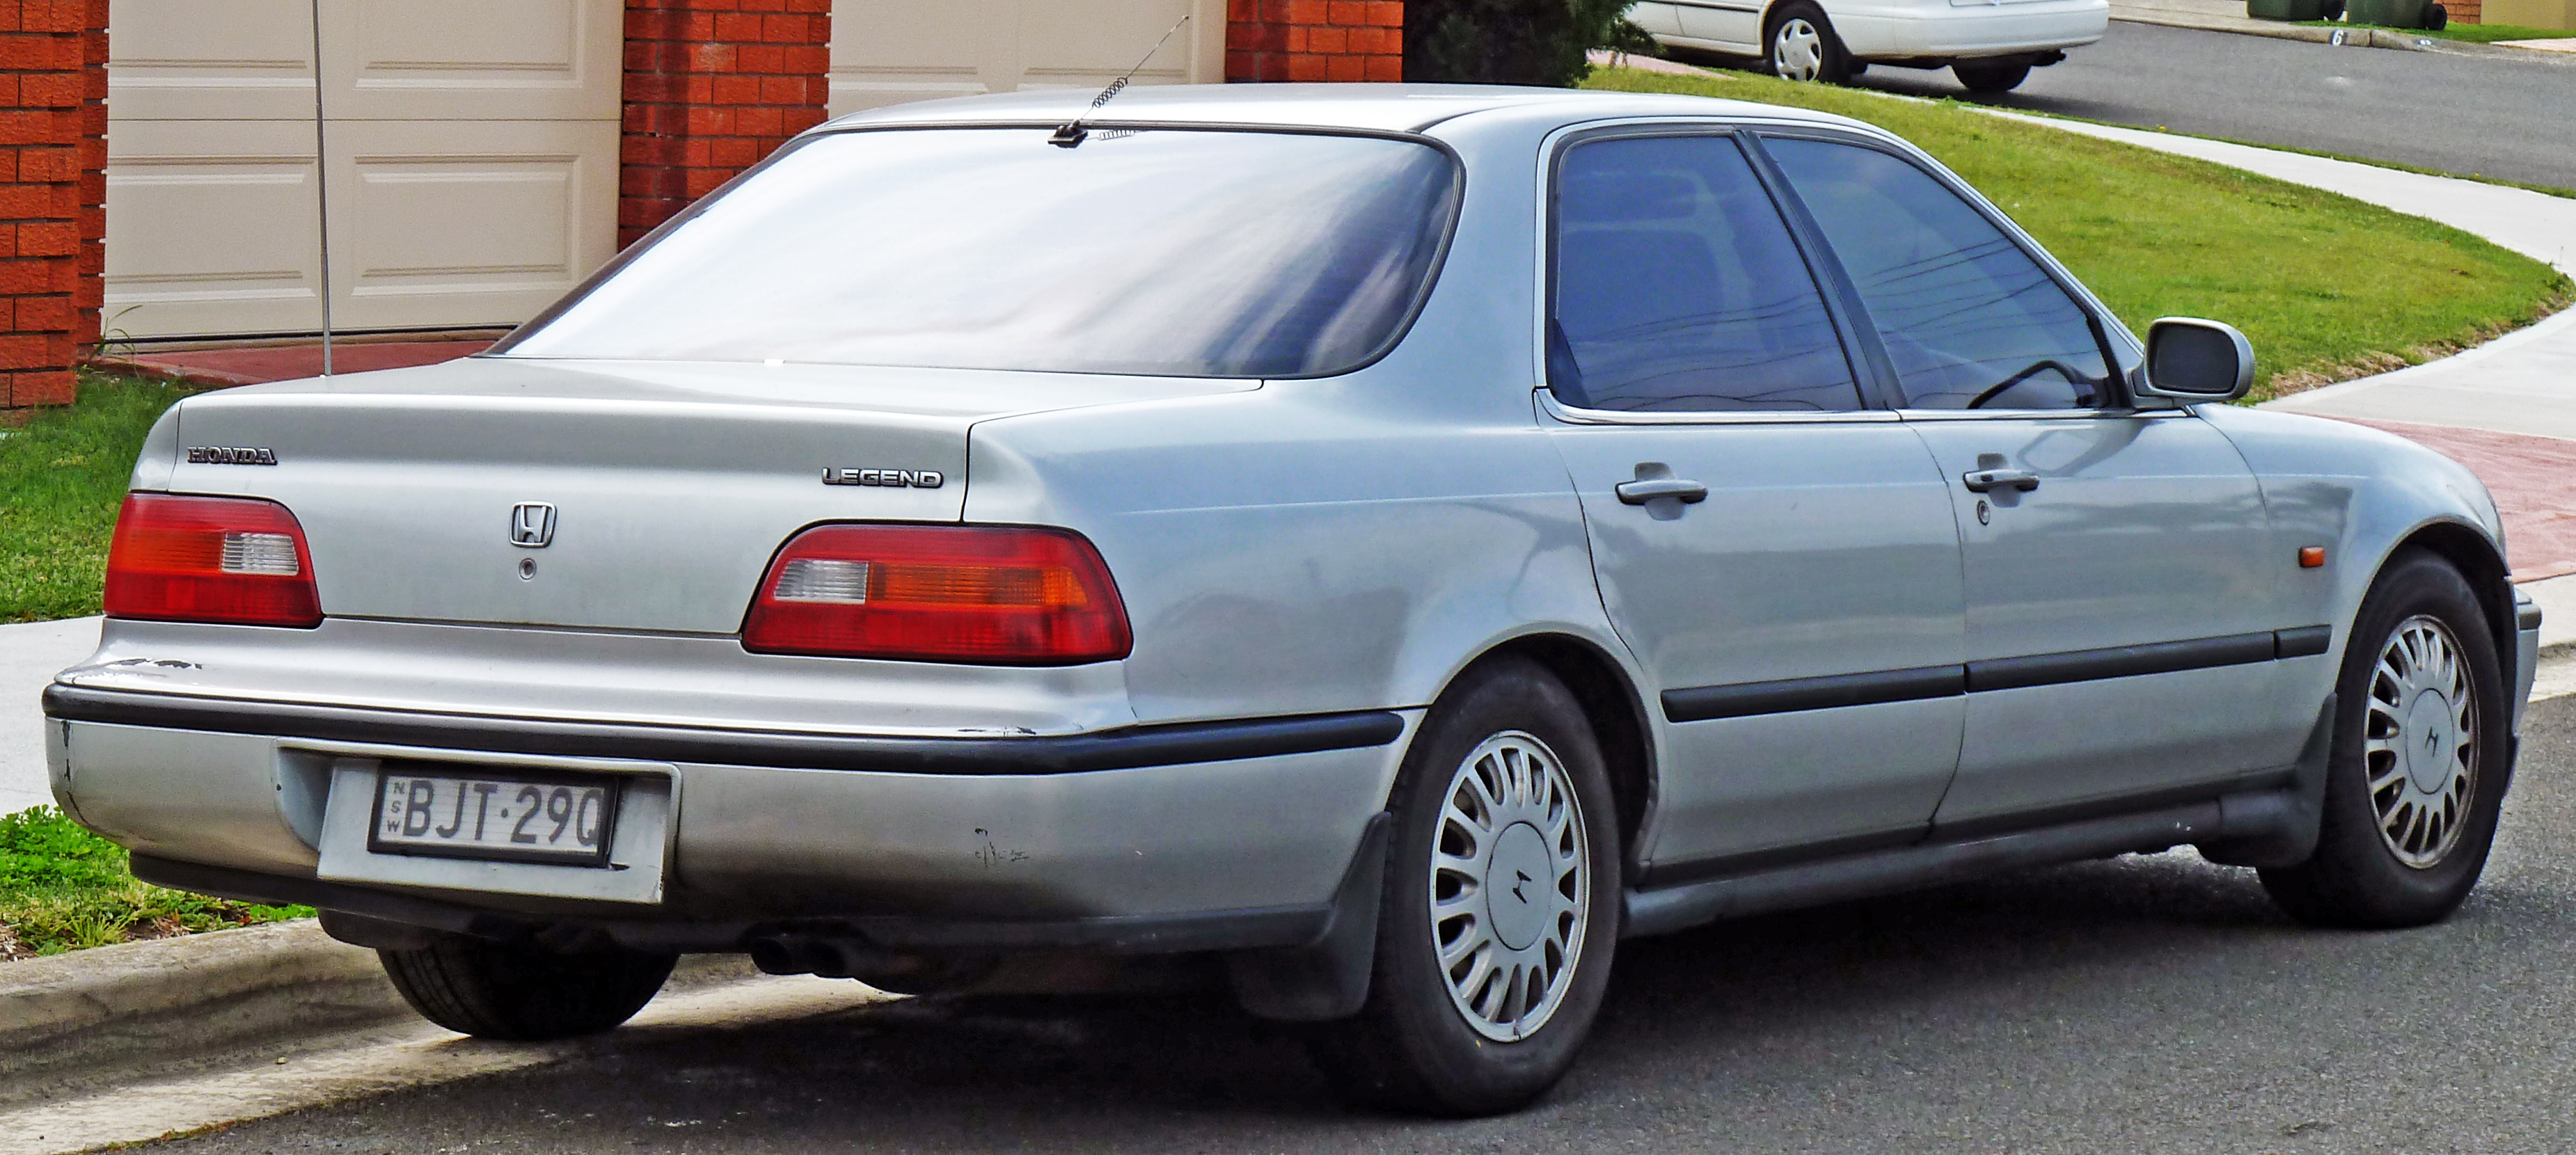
x=1372, y=548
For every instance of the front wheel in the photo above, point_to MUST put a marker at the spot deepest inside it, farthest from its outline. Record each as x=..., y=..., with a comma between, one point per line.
x=521, y=991
x=2419, y=764
x=1989, y=77
x=1501, y=907
x=1803, y=46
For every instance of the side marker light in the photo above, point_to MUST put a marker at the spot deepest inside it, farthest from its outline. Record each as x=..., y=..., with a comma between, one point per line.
x=2311, y=556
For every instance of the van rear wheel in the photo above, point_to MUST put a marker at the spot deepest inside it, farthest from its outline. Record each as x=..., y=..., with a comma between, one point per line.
x=1989, y=77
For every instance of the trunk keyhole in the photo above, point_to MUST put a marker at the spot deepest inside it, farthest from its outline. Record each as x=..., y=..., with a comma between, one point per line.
x=527, y=569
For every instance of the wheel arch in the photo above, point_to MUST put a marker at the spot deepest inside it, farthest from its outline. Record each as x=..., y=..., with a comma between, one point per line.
x=1617, y=713
x=2478, y=560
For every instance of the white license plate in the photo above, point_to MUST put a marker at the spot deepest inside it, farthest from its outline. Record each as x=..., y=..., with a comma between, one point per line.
x=511, y=819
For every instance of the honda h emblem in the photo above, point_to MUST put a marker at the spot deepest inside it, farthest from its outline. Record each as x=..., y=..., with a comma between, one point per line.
x=532, y=525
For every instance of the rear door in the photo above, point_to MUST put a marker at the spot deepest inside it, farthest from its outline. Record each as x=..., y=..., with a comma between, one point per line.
x=1779, y=556
x=2121, y=601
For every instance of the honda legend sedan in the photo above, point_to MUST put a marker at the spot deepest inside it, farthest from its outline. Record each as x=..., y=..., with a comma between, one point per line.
x=1372, y=549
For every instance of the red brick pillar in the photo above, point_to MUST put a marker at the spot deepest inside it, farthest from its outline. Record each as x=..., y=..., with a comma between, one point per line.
x=711, y=87
x=1267, y=40
x=53, y=162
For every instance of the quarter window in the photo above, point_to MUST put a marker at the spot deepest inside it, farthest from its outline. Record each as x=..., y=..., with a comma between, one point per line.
x=1969, y=320
x=1677, y=286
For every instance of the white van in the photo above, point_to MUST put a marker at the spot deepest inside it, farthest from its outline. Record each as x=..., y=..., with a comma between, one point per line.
x=1990, y=45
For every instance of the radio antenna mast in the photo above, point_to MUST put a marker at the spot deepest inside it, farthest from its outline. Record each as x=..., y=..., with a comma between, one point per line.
x=1071, y=132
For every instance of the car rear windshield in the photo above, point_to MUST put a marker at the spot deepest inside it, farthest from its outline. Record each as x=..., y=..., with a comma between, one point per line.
x=1161, y=252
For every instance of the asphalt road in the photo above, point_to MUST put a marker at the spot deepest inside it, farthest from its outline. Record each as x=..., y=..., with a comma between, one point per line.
x=2137, y=1004
x=2500, y=118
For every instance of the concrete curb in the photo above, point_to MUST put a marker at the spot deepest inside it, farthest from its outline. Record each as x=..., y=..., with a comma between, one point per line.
x=2344, y=37
x=174, y=1000
x=189, y=995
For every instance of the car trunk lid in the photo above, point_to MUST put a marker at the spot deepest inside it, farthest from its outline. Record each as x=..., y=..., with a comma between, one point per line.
x=661, y=489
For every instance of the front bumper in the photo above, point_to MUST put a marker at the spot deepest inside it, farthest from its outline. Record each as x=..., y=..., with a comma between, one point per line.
x=2526, y=666
x=1075, y=840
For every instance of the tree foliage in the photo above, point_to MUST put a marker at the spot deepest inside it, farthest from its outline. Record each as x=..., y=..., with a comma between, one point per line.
x=1513, y=41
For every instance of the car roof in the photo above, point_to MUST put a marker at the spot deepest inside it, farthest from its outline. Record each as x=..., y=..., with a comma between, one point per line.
x=1378, y=107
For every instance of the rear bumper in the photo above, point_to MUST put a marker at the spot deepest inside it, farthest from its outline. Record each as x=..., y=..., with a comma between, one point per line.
x=2526, y=664
x=1165, y=837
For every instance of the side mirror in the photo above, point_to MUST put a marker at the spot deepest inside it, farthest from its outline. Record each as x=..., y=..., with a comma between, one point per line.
x=2189, y=359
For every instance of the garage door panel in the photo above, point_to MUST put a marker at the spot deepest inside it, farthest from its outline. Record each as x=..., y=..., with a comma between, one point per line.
x=440, y=224
x=1086, y=45
x=893, y=53
x=214, y=229
x=472, y=59
x=188, y=60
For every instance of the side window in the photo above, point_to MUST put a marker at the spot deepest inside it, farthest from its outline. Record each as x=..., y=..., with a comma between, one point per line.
x=1677, y=286
x=1969, y=319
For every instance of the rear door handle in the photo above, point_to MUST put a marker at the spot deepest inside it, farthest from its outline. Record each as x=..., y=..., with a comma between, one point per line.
x=1979, y=481
x=1643, y=490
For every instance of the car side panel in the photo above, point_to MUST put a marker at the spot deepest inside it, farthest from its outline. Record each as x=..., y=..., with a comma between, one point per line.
x=2358, y=492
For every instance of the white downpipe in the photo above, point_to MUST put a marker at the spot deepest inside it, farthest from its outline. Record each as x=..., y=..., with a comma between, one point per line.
x=322, y=187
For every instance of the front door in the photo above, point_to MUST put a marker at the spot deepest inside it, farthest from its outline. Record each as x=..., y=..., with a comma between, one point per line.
x=2120, y=582
x=1781, y=559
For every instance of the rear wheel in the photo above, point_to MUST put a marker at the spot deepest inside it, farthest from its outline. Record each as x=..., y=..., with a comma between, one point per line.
x=1802, y=46
x=1986, y=76
x=1501, y=908
x=521, y=991
x=2419, y=763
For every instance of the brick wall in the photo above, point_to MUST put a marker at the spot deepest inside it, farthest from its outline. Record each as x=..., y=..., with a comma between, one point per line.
x=711, y=87
x=2464, y=11
x=53, y=161
x=1346, y=40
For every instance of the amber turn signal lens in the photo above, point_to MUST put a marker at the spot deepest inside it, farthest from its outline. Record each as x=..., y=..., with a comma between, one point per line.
x=2311, y=556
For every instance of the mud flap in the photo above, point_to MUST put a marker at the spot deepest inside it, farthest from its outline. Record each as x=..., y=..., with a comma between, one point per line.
x=2279, y=828
x=1328, y=978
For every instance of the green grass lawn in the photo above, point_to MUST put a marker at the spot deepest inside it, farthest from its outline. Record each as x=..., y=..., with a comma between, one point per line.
x=2326, y=287
x=63, y=888
x=2469, y=33
x=62, y=478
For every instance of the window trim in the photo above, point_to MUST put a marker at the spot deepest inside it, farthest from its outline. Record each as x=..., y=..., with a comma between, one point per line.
x=1847, y=331
x=1454, y=206
x=2097, y=317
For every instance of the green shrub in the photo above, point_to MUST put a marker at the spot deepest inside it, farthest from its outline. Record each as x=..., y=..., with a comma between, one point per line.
x=1513, y=41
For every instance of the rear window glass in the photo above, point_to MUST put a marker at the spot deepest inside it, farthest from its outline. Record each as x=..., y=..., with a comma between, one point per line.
x=1158, y=252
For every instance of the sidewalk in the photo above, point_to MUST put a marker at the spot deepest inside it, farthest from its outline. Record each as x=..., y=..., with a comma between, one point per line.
x=29, y=656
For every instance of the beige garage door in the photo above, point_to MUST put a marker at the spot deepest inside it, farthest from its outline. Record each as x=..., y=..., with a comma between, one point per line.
x=891, y=51
x=471, y=164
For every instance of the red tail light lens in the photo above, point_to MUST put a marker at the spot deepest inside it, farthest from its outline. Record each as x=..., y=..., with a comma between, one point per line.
x=993, y=595
x=210, y=559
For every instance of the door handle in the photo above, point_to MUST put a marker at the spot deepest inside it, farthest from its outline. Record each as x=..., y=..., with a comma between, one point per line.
x=1643, y=490
x=1981, y=480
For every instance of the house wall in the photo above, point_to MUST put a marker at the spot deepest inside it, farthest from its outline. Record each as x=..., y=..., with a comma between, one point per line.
x=52, y=128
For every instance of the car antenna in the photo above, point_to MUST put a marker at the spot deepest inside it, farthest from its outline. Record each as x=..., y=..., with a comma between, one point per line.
x=1071, y=132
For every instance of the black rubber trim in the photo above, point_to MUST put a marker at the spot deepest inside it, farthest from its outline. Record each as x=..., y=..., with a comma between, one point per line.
x=2121, y=662
x=1745, y=699
x=1126, y=748
x=2526, y=616
x=1781, y=697
x=2304, y=642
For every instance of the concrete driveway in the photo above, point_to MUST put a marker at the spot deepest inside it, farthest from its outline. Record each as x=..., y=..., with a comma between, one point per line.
x=30, y=654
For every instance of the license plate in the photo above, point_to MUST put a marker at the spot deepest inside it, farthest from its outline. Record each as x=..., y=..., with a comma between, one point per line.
x=512, y=818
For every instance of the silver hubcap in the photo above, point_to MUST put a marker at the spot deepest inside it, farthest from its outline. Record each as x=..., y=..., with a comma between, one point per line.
x=2419, y=742
x=1510, y=886
x=1797, y=50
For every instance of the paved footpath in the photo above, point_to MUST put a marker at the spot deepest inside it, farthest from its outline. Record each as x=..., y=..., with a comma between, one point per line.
x=29, y=656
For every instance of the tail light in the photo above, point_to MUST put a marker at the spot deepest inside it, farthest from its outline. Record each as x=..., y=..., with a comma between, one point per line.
x=210, y=559
x=996, y=595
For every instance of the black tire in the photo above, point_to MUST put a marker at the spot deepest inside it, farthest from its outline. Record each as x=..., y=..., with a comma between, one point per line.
x=1412, y=1048
x=2436, y=18
x=1988, y=77
x=2357, y=878
x=521, y=991
x=2333, y=10
x=1833, y=62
